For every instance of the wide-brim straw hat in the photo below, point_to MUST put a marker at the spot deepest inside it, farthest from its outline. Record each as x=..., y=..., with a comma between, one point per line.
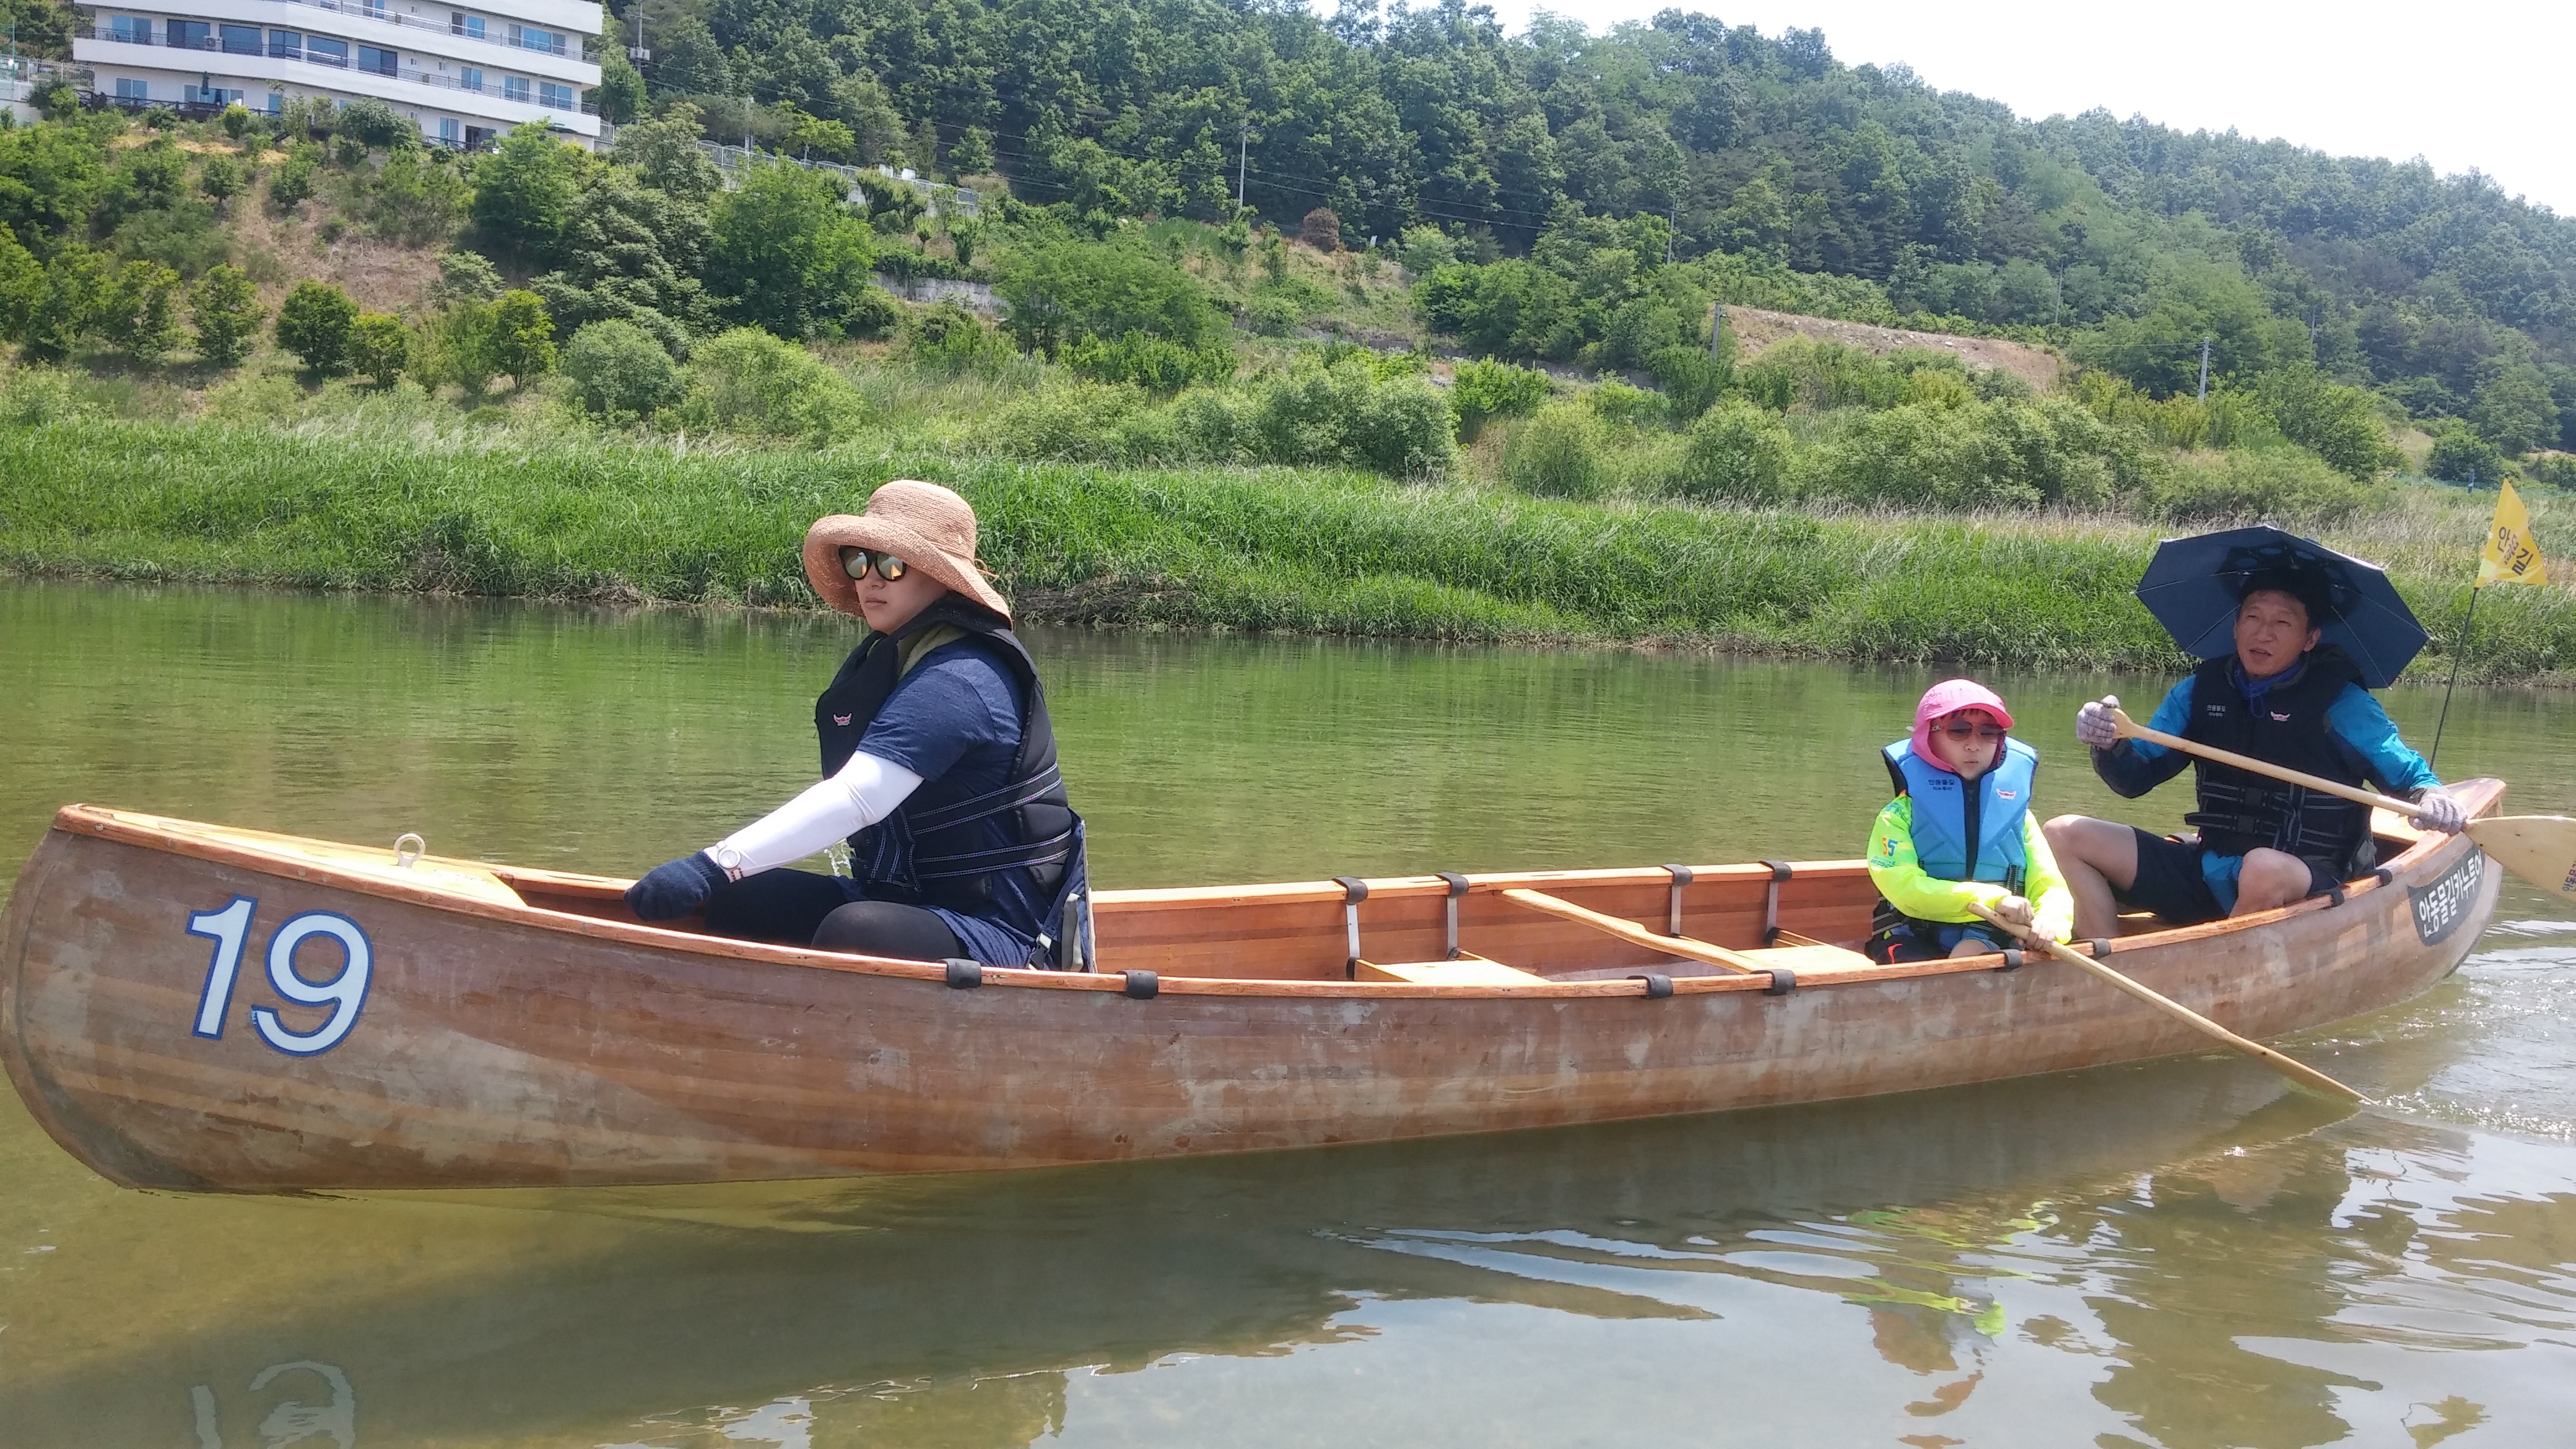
x=925, y=525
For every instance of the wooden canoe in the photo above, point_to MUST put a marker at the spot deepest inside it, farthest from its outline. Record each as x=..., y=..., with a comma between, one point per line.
x=450, y=1024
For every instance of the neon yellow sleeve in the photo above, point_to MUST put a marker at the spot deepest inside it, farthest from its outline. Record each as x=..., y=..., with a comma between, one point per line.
x=2052, y=904
x=1900, y=878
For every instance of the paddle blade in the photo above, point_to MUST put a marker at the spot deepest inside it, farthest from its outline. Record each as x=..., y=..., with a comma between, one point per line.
x=2539, y=848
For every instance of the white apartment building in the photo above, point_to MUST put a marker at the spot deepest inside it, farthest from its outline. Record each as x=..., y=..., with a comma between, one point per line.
x=465, y=75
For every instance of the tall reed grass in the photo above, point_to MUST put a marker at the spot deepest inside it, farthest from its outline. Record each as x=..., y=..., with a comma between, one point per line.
x=410, y=506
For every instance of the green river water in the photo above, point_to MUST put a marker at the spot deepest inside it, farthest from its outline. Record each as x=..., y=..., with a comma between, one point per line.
x=2175, y=1254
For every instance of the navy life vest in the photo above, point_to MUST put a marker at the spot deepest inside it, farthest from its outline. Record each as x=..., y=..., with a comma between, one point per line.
x=2241, y=812
x=1965, y=830
x=927, y=853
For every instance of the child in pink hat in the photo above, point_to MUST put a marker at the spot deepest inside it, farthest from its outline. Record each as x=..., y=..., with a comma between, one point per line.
x=1960, y=832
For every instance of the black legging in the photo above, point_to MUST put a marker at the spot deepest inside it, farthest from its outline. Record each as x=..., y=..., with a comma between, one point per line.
x=798, y=908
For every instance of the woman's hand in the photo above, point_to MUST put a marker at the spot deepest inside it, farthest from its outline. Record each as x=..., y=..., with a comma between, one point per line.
x=2014, y=910
x=676, y=888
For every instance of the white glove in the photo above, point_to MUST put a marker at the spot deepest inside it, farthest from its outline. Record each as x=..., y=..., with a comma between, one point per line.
x=2093, y=724
x=2437, y=811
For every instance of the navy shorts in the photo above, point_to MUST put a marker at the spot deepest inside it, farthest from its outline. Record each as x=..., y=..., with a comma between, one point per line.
x=2180, y=881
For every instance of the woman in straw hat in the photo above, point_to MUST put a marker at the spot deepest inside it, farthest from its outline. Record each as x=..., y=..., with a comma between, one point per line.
x=939, y=766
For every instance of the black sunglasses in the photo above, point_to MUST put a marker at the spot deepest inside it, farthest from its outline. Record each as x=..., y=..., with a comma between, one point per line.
x=855, y=562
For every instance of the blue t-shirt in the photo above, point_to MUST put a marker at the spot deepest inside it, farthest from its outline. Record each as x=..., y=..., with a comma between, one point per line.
x=954, y=720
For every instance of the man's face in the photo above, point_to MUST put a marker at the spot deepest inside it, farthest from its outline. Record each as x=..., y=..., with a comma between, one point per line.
x=2272, y=633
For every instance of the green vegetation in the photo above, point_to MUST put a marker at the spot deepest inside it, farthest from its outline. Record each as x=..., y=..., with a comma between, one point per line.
x=385, y=503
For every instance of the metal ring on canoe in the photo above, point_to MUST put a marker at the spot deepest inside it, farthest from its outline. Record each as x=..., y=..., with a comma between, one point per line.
x=409, y=848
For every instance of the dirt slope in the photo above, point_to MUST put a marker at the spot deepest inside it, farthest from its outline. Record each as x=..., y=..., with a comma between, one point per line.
x=1756, y=329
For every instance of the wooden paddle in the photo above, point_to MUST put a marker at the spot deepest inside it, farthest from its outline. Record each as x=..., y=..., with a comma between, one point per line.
x=2539, y=848
x=2290, y=1067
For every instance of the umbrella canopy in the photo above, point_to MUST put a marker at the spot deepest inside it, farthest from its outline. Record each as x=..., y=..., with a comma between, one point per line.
x=2194, y=585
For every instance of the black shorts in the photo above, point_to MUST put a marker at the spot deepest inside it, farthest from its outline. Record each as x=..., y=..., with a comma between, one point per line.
x=2170, y=884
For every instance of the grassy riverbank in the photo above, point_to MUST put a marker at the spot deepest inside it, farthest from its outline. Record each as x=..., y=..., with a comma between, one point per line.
x=516, y=513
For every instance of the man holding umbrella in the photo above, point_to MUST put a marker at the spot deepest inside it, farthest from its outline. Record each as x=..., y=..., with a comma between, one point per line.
x=2293, y=636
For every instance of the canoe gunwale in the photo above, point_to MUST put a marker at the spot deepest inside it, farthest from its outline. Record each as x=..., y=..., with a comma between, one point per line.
x=184, y=838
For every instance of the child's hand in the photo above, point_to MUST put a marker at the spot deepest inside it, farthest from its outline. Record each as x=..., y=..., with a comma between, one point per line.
x=2014, y=910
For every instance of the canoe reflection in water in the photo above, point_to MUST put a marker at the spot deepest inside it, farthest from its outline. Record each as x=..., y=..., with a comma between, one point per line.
x=2038, y=1248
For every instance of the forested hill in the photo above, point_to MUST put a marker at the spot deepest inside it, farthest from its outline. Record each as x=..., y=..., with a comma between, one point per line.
x=2449, y=296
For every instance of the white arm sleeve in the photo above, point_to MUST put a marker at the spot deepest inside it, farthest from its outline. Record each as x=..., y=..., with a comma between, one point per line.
x=865, y=792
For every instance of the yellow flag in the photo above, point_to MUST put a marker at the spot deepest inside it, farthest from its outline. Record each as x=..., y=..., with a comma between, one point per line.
x=2511, y=556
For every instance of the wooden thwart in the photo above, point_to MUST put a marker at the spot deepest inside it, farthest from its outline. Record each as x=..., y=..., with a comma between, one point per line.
x=1467, y=970
x=1629, y=931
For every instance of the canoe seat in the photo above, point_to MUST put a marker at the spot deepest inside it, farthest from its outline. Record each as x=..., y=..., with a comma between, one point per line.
x=435, y=872
x=1466, y=971
x=1813, y=956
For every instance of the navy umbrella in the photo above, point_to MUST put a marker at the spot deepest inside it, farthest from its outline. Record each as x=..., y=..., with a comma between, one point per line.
x=2193, y=586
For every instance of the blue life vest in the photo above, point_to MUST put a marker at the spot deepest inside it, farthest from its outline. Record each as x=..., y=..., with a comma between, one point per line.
x=1957, y=837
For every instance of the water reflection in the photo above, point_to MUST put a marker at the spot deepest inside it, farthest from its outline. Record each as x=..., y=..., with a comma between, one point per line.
x=2176, y=1254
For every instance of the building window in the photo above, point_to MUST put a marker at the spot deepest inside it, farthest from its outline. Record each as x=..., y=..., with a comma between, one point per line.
x=130, y=89
x=554, y=97
x=240, y=39
x=469, y=79
x=133, y=30
x=514, y=88
x=208, y=96
x=277, y=103
x=381, y=62
x=528, y=37
x=322, y=50
x=190, y=35
x=469, y=26
x=286, y=44
x=372, y=9
x=447, y=131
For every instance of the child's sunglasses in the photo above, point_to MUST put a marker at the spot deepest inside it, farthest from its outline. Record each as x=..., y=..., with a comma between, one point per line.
x=1960, y=729
x=855, y=562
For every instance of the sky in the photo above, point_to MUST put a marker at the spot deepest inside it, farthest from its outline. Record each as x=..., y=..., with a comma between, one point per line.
x=2468, y=84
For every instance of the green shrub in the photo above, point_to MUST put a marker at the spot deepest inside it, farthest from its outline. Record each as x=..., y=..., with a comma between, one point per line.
x=1061, y=292
x=618, y=370
x=2558, y=470
x=949, y=338
x=140, y=313
x=314, y=324
x=224, y=177
x=1343, y=413
x=747, y=381
x=2461, y=456
x=225, y=308
x=1556, y=454
x=1490, y=389
x=379, y=347
x=34, y=396
x=1152, y=363
x=1079, y=422
x=1738, y=452
x=1692, y=378
x=870, y=313
x=1620, y=405
x=2283, y=485
x=293, y=183
x=1271, y=315
x=377, y=124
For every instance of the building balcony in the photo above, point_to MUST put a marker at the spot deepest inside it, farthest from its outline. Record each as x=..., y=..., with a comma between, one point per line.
x=566, y=53
x=495, y=98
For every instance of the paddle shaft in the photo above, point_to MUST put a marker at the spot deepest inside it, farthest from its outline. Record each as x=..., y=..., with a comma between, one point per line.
x=2130, y=729
x=2296, y=1070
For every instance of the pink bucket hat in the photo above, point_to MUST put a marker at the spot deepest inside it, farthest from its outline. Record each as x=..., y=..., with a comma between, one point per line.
x=1948, y=698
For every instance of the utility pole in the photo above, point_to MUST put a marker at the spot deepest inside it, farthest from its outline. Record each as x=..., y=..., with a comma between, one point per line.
x=1242, y=155
x=2204, y=369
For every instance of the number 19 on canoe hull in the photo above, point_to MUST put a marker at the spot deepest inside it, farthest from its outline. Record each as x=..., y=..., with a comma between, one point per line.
x=345, y=993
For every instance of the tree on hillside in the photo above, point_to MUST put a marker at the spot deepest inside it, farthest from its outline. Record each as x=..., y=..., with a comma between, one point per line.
x=315, y=323
x=665, y=156
x=140, y=313
x=523, y=337
x=1062, y=292
x=380, y=347
x=225, y=309
x=524, y=193
x=1321, y=230
x=786, y=254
